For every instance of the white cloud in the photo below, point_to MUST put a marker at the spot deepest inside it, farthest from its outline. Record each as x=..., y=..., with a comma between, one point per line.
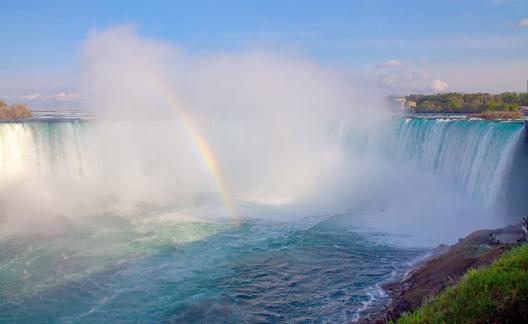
x=64, y=96
x=484, y=75
x=407, y=78
x=32, y=96
x=493, y=76
x=522, y=23
x=439, y=85
x=390, y=64
x=60, y=96
x=49, y=100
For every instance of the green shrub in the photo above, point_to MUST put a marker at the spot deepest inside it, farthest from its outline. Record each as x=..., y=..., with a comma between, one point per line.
x=495, y=294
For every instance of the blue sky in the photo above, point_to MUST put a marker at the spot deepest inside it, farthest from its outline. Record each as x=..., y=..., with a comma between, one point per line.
x=41, y=39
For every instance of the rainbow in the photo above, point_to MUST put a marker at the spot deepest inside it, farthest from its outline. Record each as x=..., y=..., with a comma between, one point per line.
x=201, y=145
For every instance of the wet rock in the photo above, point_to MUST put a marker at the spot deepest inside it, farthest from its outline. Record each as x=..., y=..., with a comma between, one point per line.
x=444, y=266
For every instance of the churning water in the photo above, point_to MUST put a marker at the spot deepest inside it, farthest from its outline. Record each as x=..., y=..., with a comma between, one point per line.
x=164, y=264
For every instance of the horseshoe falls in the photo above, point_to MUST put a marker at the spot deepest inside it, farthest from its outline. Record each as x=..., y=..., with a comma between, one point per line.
x=133, y=231
x=476, y=155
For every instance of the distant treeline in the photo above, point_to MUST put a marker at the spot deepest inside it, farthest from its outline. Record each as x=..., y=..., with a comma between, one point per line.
x=468, y=102
x=15, y=111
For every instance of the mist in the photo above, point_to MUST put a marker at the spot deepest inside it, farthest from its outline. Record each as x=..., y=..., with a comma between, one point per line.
x=272, y=120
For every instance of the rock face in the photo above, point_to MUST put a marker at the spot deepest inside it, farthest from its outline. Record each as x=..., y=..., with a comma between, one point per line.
x=444, y=267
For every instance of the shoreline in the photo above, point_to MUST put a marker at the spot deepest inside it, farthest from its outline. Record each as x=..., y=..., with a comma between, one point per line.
x=462, y=116
x=443, y=267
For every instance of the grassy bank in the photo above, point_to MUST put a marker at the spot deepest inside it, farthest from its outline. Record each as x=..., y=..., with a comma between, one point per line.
x=495, y=294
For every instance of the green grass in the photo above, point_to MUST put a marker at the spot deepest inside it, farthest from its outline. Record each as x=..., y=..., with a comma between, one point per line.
x=495, y=294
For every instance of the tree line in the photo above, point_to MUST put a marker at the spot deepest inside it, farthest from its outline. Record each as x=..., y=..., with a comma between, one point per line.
x=15, y=111
x=468, y=102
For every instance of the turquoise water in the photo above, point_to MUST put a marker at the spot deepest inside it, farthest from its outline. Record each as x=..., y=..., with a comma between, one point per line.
x=147, y=270
x=165, y=264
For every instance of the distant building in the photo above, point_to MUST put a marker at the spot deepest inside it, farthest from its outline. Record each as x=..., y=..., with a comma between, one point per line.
x=411, y=105
x=401, y=102
x=404, y=104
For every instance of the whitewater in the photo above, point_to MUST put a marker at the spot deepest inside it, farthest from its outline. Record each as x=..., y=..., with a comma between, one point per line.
x=99, y=228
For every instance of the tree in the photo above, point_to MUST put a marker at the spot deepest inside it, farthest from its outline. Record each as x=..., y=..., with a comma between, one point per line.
x=469, y=102
x=427, y=105
x=16, y=111
x=20, y=111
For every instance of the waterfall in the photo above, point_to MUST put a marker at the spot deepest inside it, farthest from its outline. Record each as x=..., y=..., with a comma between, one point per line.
x=52, y=172
x=476, y=155
x=44, y=148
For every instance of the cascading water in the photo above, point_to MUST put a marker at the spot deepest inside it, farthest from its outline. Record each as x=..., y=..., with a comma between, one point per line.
x=37, y=148
x=161, y=263
x=476, y=155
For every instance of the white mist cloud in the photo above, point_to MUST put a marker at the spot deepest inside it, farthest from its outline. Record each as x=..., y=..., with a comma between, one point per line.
x=264, y=113
x=282, y=128
x=269, y=118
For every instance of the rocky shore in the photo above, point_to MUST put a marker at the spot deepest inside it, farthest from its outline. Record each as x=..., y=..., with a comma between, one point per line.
x=444, y=267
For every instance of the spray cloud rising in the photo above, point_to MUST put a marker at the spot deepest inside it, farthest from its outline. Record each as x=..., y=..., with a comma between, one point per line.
x=270, y=132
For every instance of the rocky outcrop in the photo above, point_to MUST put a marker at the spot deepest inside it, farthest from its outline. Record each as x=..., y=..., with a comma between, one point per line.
x=444, y=267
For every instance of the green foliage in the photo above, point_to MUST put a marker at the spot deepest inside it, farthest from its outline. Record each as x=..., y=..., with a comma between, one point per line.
x=496, y=294
x=469, y=102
